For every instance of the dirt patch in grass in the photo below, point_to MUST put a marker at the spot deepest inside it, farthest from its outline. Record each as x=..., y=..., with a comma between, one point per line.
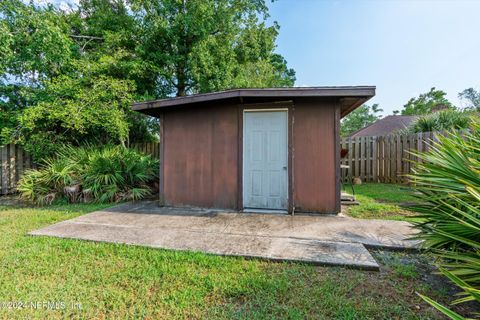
x=417, y=273
x=300, y=291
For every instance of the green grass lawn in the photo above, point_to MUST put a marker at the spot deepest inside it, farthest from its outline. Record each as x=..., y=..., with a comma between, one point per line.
x=120, y=281
x=381, y=201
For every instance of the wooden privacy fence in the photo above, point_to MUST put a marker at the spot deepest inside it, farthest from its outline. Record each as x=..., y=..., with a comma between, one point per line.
x=13, y=163
x=152, y=148
x=373, y=159
x=382, y=159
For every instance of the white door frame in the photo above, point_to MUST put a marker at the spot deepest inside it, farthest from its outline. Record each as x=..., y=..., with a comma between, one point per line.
x=245, y=111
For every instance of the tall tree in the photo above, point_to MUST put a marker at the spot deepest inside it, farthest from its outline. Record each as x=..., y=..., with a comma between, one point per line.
x=77, y=111
x=471, y=97
x=360, y=118
x=34, y=47
x=426, y=103
x=38, y=39
x=147, y=48
x=207, y=45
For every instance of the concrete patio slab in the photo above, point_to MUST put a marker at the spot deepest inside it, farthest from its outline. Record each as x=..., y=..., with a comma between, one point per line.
x=310, y=238
x=272, y=248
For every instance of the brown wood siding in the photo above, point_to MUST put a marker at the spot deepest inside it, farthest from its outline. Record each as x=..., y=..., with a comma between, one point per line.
x=314, y=168
x=201, y=156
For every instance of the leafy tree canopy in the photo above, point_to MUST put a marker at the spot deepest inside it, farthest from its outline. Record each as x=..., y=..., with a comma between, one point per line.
x=471, y=97
x=77, y=111
x=209, y=45
x=426, y=103
x=34, y=48
x=360, y=118
x=58, y=62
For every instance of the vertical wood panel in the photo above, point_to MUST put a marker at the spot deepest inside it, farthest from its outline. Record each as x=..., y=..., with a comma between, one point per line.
x=394, y=159
x=314, y=163
x=374, y=159
x=398, y=156
x=368, y=160
x=4, y=163
x=13, y=164
x=12, y=168
x=381, y=163
x=357, y=156
x=20, y=164
x=411, y=146
x=406, y=143
x=391, y=158
x=344, y=161
x=361, y=151
x=350, y=159
x=420, y=145
x=386, y=159
x=200, y=156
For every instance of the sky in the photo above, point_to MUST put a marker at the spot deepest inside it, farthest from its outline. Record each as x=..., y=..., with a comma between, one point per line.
x=402, y=47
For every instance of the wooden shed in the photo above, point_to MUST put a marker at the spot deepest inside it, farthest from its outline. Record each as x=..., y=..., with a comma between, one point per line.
x=254, y=149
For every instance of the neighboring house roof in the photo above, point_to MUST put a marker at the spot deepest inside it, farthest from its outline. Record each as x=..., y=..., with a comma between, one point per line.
x=384, y=126
x=350, y=97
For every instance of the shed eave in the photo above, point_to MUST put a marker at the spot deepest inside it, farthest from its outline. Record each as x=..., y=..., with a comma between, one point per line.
x=363, y=93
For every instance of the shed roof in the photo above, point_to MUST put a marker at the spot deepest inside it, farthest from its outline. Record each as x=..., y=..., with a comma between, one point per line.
x=350, y=97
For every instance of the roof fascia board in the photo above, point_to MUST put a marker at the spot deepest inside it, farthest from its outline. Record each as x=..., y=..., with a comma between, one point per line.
x=366, y=91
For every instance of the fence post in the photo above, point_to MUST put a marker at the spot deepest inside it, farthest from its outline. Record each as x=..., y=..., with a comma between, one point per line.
x=11, y=167
x=386, y=160
x=374, y=159
x=368, y=159
x=361, y=158
x=350, y=157
x=419, y=146
x=391, y=160
x=357, y=157
x=380, y=159
x=4, y=170
x=342, y=160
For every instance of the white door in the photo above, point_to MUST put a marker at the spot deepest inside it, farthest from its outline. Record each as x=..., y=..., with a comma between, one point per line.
x=265, y=159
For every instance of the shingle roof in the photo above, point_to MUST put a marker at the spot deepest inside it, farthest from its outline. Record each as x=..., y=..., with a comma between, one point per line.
x=384, y=126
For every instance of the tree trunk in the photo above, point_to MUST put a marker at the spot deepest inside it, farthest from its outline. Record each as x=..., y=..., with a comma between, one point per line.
x=185, y=48
x=181, y=82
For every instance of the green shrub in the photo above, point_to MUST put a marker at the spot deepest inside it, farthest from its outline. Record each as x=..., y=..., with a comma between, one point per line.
x=441, y=121
x=448, y=180
x=100, y=174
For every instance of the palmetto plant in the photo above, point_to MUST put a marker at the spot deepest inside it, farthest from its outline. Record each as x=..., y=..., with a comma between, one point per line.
x=103, y=174
x=110, y=170
x=441, y=121
x=448, y=181
x=34, y=186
